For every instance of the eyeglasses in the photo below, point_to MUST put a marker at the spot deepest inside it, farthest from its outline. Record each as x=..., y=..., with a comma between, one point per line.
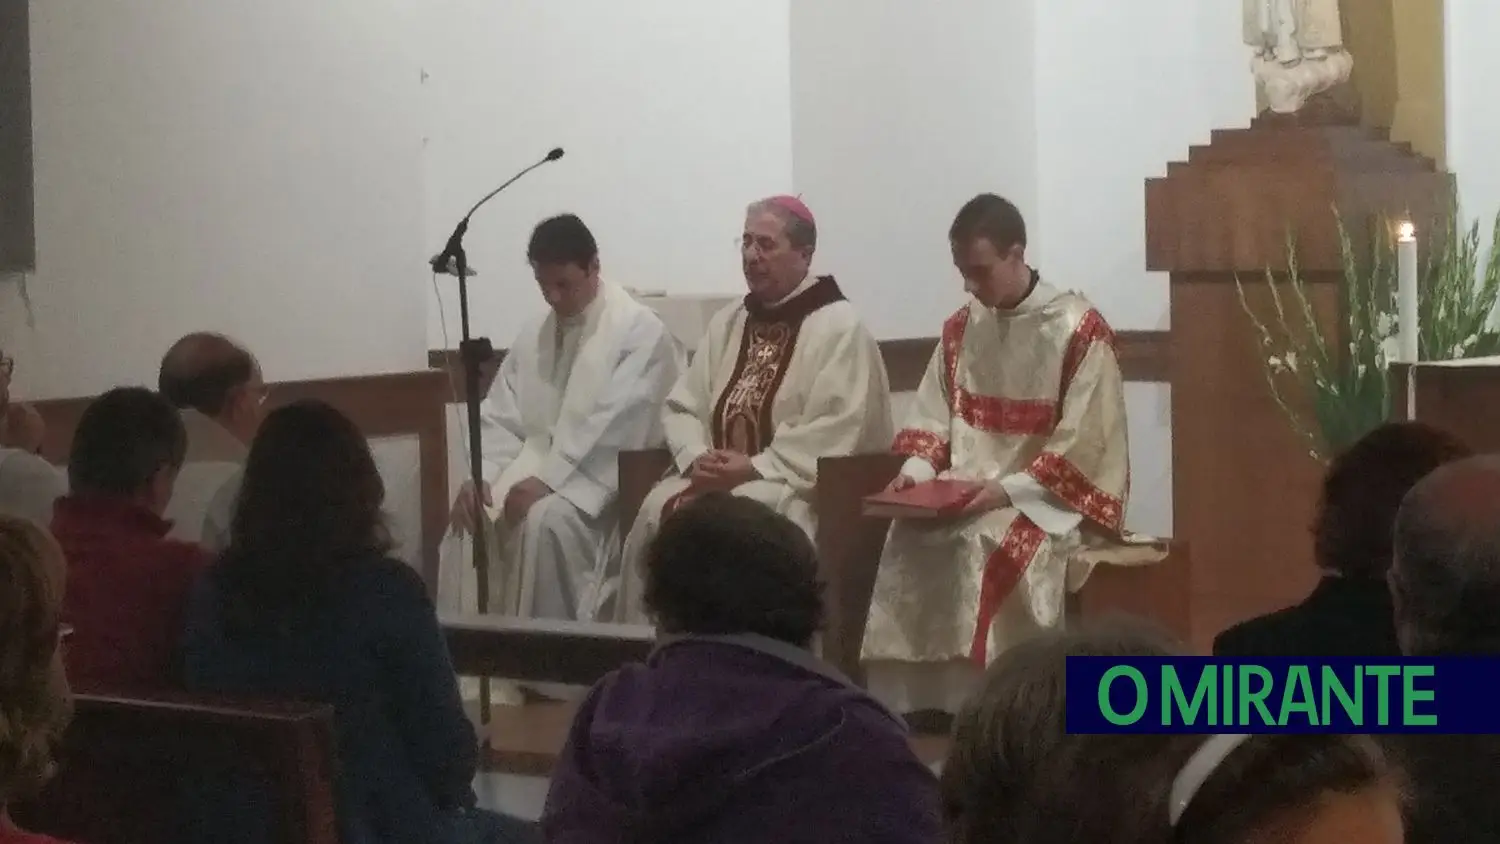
x=762, y=245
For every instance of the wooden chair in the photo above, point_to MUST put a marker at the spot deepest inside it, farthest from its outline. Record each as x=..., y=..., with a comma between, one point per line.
x=849, y=546
x=125, y=762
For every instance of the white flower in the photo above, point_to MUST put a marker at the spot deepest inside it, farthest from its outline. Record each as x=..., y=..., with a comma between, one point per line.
x=1291, y=360
x=1276, y=364
x=1385, y=326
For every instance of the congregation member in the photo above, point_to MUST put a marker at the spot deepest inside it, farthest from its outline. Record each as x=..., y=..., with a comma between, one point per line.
x=307, y=603
x=1445, y=584
x=733, y=731
x=1213, y=789
x=217, y=385
x=1015, y=721
x=128, y=581
x=1349, y=612
x=35, y=705
x=1023, y=394
x=784, y=377
x=28, y=484
x=578, y=386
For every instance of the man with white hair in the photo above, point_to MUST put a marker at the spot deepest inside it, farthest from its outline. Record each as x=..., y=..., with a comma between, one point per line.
x=786, y=376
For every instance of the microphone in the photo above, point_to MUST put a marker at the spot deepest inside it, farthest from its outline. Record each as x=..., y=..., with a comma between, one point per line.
x=446, y=262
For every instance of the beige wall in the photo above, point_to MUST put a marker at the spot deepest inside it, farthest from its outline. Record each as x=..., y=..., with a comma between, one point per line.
x=1420, y=116
x=1398, y=68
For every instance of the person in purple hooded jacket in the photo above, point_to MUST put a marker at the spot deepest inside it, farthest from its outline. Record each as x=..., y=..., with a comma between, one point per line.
x=733, y=731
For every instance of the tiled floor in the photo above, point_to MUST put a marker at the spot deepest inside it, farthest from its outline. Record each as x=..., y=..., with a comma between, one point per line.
x=521, y=797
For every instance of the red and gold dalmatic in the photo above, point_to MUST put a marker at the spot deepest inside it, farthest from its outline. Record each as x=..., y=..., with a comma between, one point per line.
x=1032, y=398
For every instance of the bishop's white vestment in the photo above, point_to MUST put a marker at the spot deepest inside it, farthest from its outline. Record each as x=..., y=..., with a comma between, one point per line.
x=570, y=395
x=785, y=384
x=1033, y=399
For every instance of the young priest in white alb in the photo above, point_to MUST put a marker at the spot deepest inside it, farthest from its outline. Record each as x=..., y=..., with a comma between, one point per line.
x=577, y=387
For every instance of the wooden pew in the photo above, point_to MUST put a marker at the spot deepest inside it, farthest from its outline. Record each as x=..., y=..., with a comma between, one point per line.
x=542, y=650
x=125, y=759
x=525, y=740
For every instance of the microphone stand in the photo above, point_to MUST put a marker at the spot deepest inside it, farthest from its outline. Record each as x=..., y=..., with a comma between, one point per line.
x=473, y=353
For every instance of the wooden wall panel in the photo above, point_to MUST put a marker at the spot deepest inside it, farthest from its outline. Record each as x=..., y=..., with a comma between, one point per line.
x=17, y=214
x=399, y=404
x=1143, y=357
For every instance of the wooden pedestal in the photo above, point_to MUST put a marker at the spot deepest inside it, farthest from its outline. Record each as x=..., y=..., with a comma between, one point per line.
x=1244, y=487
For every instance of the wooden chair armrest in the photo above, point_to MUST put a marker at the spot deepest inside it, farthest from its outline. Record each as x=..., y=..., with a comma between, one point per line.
x=1160, y=592
x=639, y=472
x=849, y=546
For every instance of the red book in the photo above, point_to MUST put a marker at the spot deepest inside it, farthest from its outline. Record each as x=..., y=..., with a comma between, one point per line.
x=931, y=500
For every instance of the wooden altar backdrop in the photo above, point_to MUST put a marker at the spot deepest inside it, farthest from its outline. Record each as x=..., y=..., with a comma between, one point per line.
x=1244, y=487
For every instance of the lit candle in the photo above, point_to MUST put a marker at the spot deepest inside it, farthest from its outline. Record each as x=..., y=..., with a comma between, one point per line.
x=1406, y=292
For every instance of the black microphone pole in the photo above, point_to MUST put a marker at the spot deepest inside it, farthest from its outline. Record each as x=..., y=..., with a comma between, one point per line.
x=474, y=353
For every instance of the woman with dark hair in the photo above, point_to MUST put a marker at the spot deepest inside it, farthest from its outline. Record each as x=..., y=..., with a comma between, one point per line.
x=34, y=702
x=1219, y=789
x=306, y=603
x=1349, y=612
x=733, y=731
x=1015, y=721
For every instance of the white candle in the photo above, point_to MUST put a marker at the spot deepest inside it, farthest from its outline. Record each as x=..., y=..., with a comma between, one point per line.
x=1406, y=292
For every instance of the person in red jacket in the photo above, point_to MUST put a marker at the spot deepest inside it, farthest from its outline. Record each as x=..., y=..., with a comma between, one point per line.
x=127, y=582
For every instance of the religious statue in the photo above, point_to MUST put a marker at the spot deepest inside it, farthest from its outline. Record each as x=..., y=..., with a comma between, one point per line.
x=1298, y=50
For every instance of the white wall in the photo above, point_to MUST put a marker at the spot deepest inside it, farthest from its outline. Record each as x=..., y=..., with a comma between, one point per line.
x=1122, y=89
x=1064, y=106
x=900, y=114
x=251, y=166
x=674, y=113
x=1472, y=64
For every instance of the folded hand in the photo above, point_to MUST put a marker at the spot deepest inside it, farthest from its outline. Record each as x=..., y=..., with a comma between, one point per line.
x=467, y=508
x=522, y=497
x=721, y=470
x=900, y=483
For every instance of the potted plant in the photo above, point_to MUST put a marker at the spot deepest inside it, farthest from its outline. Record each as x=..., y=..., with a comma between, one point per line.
x=1334, y=386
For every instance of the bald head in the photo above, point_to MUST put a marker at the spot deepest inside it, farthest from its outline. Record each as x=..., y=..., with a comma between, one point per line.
x=215, y=376
x=1445, y=577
